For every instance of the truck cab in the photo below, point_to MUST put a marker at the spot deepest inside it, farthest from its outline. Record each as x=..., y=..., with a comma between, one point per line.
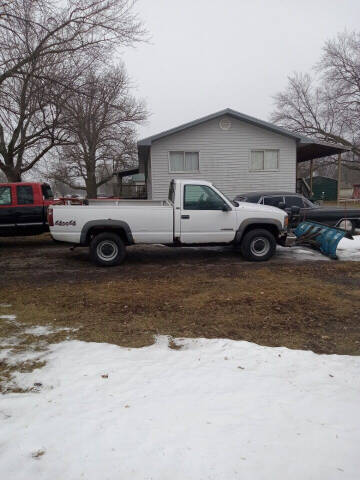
x=23, y=208
x=203, y=214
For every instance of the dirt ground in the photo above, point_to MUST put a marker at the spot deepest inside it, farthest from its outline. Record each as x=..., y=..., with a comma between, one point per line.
x=182, y=292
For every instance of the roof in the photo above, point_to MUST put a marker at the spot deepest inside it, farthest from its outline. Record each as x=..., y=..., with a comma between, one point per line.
x=127, y=173
x=307, y=149
x=262, y=193
x=310, y=149
x=322, y=177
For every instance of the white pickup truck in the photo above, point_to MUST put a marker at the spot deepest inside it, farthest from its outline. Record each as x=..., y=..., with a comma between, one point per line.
x=195, y=214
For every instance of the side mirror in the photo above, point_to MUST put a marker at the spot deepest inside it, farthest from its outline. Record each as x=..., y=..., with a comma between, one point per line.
x=281, y=205
x=226, y=208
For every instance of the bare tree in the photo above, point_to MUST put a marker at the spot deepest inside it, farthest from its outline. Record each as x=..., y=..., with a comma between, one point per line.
x=33, y=29
x=101, y=128
x=327, y=105
x=30, y=121
x=43, y=50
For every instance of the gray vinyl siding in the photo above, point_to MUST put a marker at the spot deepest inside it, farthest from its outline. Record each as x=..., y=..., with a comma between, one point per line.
x=225, y=158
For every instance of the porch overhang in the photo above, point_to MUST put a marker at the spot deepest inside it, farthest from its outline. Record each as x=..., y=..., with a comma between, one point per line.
x=127, y=173
x=308, y=149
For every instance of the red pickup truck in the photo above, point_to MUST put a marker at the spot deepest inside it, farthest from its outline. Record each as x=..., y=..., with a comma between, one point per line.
x=23, y=208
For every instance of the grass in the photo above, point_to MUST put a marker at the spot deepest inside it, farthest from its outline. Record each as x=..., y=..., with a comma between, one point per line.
x=264, y=307
x=313, y=305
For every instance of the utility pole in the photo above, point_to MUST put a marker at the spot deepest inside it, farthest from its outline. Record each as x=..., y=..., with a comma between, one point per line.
x=311, y=176
x=339, y=179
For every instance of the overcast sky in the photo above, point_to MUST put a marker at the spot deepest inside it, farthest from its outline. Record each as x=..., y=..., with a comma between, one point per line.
x=206, y=55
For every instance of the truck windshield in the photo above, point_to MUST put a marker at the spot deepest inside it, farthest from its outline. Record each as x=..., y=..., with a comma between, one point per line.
x=227, y=198
x=5, y=196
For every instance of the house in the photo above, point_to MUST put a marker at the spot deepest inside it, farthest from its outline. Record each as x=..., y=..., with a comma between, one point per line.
x=234, y=151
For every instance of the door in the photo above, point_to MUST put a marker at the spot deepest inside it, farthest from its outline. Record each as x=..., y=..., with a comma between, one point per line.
x=27, y=212
x=7, y=211
x=205, y=216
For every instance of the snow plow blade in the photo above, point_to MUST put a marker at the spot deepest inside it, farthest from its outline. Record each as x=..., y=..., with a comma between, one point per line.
x=319, y=236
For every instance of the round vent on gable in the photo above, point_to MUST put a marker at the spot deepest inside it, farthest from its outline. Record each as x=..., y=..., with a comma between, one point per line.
x=225, y=124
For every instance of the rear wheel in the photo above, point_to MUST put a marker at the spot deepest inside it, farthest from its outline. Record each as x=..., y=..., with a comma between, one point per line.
x=347, y=225
x=258, y=245
x=107, y=249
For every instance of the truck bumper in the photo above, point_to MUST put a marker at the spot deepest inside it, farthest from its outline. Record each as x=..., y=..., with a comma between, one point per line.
x=281, y=239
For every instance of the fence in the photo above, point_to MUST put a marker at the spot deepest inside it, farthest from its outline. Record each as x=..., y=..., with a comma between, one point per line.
x=133, y=191
x=350, y=202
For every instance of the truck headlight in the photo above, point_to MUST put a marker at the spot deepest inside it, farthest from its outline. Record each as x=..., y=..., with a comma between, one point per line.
x=286, y=221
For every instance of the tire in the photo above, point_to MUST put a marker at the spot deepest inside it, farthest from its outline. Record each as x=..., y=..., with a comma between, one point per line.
x=258, y=245
x=347, y=225
x=107, y=250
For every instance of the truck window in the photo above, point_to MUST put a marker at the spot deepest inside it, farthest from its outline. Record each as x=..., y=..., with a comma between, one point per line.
x=25, y=195
x=5, y=196
x=273, y=201
x=294, y=201
x=47, y=192
x=201, y=197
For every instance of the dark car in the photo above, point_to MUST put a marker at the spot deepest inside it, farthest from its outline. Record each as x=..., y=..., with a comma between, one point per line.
x=343, y=217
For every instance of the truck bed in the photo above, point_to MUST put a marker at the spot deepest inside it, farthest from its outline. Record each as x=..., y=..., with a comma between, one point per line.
x=149, y=221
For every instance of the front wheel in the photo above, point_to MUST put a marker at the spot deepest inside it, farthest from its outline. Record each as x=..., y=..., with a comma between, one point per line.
x=258, y=245
x=107, y=250
x=347, y=225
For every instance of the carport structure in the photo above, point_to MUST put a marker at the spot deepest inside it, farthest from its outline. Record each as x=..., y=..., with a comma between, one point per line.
x=309, y=150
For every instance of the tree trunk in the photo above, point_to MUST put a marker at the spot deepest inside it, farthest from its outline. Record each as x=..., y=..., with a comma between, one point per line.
x=91, y=187
x=13, y=175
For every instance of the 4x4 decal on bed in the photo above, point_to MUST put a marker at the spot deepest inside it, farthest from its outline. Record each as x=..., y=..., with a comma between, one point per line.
x=70, y=223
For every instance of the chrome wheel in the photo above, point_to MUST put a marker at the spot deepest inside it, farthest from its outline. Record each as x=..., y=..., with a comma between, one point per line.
x=107, y=250
x=260, y=246
x=346, y=225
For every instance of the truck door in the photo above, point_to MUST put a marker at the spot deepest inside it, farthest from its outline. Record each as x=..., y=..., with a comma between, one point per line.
x=28, y=212
x=7, y=211
x=205, y=216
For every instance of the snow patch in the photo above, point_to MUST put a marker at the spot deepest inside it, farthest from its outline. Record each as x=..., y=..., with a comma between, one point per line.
x=8, y=317
x=40, y=330
x=347, y=250
x=215, y=409
x=13, y=359
x=9, y=341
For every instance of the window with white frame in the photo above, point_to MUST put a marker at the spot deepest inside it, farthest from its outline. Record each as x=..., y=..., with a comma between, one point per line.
x=262, y=160
x=183, y=162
